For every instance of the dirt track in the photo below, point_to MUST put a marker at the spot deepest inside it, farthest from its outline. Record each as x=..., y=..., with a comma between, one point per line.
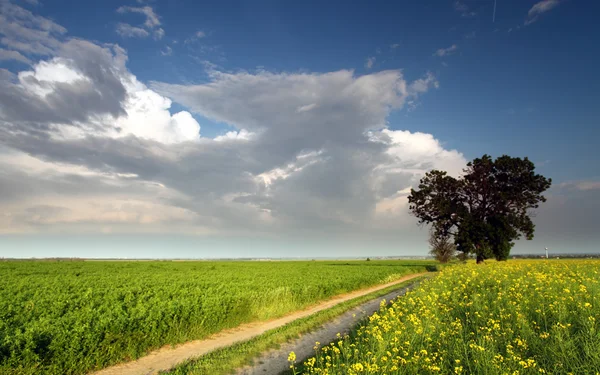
x=168, y=357
x=274, y=362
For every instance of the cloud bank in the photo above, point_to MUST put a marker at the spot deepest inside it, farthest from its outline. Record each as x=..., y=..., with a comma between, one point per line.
x=86, y=147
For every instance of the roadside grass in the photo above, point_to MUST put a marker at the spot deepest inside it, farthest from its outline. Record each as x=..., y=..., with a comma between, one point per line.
x=227, y=360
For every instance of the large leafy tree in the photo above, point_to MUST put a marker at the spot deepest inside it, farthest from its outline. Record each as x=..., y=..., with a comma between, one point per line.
x=486, y=209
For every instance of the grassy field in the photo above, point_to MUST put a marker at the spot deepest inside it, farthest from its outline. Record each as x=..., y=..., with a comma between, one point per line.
x=74, y=317
x=516, y=317
x=225, y=361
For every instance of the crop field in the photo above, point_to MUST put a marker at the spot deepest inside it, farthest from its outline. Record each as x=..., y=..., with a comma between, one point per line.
x=76, y=316
x=515, y=317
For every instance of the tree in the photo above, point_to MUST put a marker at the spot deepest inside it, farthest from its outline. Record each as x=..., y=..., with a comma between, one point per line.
x=442, y=247
x=486, y=209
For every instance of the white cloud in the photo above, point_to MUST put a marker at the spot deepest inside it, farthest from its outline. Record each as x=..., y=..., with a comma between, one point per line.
x=197, y=36
x=369, y=63
x=303, y=160
x=152, y=19
x=50, y=196
x=460, y=7
x=159, y=33
x=147, y=116
x=242, y=135
x=306, y=108
x=589, y=185
x=13, y=55
x=40, y=81
x=128, y=31
x=463, y=9
x=151, y=24
x=539, y=8
x=268, y=100
x=138, y=110
x=422, y=85
x=446, y=51
x=32, y=47
x=542, y=7
x=15, y=17
x=167, y=51
x=394, y=46
x=94, y=149
x=422, y=149
x=581, y=185
x=27, y=33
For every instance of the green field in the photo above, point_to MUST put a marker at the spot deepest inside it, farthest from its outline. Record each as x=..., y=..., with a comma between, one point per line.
x=72, y=317
x=516, y=317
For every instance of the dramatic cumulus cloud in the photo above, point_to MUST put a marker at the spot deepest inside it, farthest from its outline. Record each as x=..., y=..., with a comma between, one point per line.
x=85, y=146
x=539, y=8
x=446, y=51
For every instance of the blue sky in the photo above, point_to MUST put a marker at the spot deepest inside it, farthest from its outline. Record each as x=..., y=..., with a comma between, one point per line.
x=520, y=80
x=505, y=86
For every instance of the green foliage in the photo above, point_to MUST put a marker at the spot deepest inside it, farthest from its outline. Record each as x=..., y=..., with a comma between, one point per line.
x=74, y=317
x=485, y=210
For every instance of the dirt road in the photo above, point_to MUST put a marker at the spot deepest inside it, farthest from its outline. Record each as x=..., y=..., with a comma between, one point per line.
x=275, y=362
x=168, y=357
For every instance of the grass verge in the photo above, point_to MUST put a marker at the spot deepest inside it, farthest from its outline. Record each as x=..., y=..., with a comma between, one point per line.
x=226, y=360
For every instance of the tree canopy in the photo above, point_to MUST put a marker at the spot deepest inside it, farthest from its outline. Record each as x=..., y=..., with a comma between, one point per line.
x=486, y=209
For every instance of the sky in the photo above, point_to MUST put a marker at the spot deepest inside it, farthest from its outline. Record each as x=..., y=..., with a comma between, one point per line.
x=185, y=129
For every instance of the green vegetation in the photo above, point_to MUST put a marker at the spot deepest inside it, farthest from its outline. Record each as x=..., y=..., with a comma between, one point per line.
x=74, y=317
x=486, y=209
x=515, y=317
x=224, y=361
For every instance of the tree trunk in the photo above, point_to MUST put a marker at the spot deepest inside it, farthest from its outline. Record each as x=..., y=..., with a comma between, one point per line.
x=480, y=259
